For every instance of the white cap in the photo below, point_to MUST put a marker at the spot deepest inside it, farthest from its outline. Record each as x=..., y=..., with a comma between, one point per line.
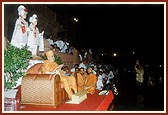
x=33, y=18
x=21, y=10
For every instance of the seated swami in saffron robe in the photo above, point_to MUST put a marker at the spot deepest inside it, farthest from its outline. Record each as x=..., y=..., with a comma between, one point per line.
x=51, y=67
x=91, y=80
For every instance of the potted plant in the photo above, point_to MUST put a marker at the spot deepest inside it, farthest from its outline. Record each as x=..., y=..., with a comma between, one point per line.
x=16, y=61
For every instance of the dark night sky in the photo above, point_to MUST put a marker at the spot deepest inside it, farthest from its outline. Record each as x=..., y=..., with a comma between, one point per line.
x=116, y=27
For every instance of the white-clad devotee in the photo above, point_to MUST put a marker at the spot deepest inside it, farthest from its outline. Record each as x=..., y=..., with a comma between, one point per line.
x=35, y=39
x=80, y=57
x=19, y=36
x=83, y=64
x=59, y=43
x=94, y=71
x=74, y=67
x=85, y=54
x=99, y=85
x=110, y=76
x=65, y=46
x=50, y=40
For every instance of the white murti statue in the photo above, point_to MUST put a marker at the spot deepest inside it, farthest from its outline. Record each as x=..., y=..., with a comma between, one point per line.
x=19, y=37
x=35, y=39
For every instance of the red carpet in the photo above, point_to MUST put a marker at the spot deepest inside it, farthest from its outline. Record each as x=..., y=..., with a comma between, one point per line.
x=93, y=102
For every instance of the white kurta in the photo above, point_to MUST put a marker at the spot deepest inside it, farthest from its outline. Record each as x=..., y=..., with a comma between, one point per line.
x=99, y=84
x=19, y=37
x=83, y=65
x=35, y=39
x=50, y=41
x=59, y=44
x=65, y=46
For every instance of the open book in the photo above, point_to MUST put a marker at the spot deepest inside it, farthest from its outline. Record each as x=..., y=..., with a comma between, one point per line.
x=57, y=70
x=59, y=67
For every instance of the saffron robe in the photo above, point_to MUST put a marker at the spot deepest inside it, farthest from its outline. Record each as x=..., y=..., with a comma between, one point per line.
x=90, y=85
x=69, y=82
x=80, y=82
